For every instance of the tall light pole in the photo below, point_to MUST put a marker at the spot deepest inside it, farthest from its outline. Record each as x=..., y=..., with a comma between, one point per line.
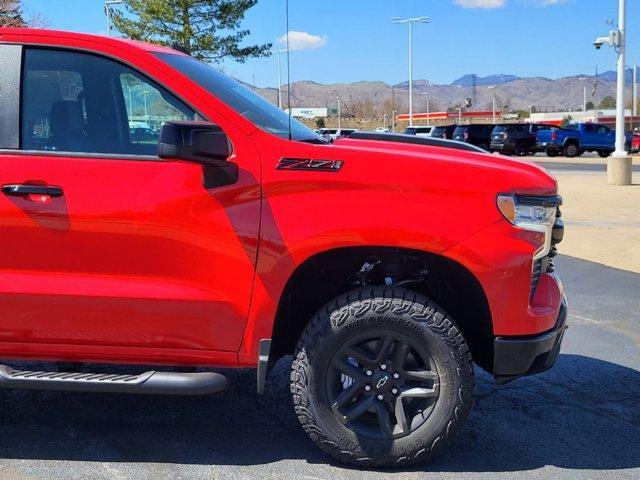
x=459, y=116
x=584, y=97
x=530, y=111
x=145, y=93
x=278, y=52
x=384, y=121
x=428, y=111
x=410, y=22
x=339, y=112
x=618, y=165
x=493, y=102
x=634, y=91
x=107, y=11
x=393, y=121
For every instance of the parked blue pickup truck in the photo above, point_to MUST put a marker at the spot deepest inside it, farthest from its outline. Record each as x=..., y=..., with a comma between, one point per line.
x=575, y=139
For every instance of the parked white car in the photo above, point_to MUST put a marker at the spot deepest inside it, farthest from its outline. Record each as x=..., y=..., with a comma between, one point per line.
x=419, y=130
x=335, y=133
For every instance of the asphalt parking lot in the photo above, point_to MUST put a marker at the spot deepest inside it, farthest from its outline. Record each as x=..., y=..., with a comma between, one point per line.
x=579, y=420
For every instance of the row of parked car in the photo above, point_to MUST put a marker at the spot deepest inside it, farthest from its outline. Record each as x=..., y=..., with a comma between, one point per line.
x=528, y=138
x=519, y=138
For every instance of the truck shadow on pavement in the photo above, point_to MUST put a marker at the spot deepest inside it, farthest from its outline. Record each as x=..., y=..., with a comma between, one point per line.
x=583, y=414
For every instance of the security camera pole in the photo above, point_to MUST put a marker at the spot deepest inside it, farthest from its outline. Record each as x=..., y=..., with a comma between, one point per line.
x=618, y=165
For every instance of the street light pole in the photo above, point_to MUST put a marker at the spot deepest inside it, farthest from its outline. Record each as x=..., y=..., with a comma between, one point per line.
x=634, y=90
x=107, y=11
x=339, y=113
x=410, y=21
x=428, y=110
x=393, y=121
x=278, y=52
x=493, y=103
x=584, y=97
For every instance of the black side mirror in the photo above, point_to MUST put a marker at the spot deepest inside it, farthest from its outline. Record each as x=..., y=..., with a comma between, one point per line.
x=198, y=142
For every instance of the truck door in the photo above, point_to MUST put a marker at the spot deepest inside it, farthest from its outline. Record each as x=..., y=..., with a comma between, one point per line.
x=103, y=243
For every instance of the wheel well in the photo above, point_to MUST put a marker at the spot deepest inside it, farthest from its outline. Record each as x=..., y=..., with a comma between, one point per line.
x=327, y=275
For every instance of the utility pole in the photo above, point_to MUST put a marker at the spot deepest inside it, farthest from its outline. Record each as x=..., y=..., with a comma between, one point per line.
x=393, y=121
x=339, y=112
x=410, y=21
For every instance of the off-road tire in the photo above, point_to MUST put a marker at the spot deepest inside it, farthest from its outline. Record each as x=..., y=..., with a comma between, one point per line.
x=551, y=153
x=571, y=150
x=380, y=308
x=604, y=153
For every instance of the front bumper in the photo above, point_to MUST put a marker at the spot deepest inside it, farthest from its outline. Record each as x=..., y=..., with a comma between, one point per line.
x=515, y=357
x=502, y=147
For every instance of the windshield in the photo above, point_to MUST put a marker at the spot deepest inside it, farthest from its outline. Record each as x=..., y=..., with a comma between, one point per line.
x=460, y=131
x=250, y=105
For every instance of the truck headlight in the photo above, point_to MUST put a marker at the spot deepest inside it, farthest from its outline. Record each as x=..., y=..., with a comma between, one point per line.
x=536, y=214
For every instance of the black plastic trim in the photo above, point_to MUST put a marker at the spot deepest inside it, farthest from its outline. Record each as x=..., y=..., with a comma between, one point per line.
x=11, y=62
x=155, y=383
x=91, y=156
x=515, y=357
x=263, y=364
x=540, y=200
x=415, y=140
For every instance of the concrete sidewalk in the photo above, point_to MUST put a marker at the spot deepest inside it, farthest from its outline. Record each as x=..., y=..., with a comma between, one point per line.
x=602, y=222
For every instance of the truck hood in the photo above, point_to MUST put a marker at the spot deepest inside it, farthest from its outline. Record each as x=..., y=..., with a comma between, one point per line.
x=507, y=174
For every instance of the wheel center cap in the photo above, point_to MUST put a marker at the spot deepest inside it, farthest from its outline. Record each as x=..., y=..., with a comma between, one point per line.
x=382, y=381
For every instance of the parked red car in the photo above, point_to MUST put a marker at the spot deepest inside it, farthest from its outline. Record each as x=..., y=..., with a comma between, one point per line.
x=237, y=236
x=635, y=142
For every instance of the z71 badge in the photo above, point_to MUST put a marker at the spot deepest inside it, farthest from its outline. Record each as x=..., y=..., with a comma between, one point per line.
x=309, y=164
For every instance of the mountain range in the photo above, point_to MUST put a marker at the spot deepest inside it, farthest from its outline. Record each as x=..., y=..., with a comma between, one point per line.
x=370, y=99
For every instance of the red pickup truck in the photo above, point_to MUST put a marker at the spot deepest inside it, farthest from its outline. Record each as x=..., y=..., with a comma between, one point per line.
x=231, y=235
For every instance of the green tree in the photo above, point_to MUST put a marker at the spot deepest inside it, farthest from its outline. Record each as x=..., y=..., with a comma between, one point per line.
x=11, y=14
x=590, y=105
x=206, y=29
x=320, y=123
x=566, y=120
x=608, y=102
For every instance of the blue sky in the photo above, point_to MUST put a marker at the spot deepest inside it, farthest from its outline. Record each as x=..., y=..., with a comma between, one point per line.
x=355, y=39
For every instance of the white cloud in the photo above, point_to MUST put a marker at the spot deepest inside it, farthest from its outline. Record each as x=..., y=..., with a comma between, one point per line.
x=544, y=3
x=302, y=41
x=480, y=3
x=487, y=4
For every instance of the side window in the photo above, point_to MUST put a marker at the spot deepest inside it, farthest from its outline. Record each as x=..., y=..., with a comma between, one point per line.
x=78, y=102
x=588, y=128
